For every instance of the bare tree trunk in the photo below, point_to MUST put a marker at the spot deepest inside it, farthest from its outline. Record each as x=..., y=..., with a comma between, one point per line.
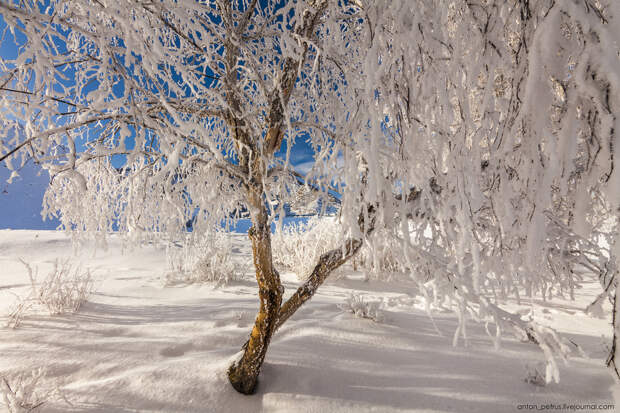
x=243, y=374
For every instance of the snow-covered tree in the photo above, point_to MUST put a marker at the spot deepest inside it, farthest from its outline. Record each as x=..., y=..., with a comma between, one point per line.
x=479, y=136
x=504, y=115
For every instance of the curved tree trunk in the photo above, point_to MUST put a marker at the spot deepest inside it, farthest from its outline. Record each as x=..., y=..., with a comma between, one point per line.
x=243, y=374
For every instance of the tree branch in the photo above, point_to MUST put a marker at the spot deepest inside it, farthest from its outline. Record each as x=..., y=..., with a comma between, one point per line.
x=282, y=93
x=328, y=262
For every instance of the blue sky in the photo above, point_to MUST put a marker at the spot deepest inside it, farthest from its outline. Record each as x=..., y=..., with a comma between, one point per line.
x=21, y=201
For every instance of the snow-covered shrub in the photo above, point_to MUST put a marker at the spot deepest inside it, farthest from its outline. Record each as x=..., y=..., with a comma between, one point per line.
x=208, y=260
x=297, y=247
x=22, y=394
x=361, y=308
x=535, y=374
x=17, y=311
x=554, y=348
x=63, y=290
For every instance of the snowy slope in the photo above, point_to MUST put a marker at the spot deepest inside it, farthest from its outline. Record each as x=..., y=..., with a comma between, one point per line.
x=140, y=347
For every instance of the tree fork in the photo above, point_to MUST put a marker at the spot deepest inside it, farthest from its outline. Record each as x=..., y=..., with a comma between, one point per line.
x=243, y=374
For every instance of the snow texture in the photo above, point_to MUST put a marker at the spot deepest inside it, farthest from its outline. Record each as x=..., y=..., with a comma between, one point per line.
x=139, y=346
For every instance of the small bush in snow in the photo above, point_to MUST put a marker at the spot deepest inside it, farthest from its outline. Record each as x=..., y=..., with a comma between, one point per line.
x=356, y=305
x=21, y=394
x=209, y=260
x=64, y=289
x=297, y=247
x=18, y=310
x=535, y=374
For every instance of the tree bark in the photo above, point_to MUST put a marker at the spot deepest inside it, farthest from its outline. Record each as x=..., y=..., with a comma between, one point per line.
x=243, y=374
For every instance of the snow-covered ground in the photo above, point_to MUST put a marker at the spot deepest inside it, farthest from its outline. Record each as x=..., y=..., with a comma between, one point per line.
x=138, y=346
